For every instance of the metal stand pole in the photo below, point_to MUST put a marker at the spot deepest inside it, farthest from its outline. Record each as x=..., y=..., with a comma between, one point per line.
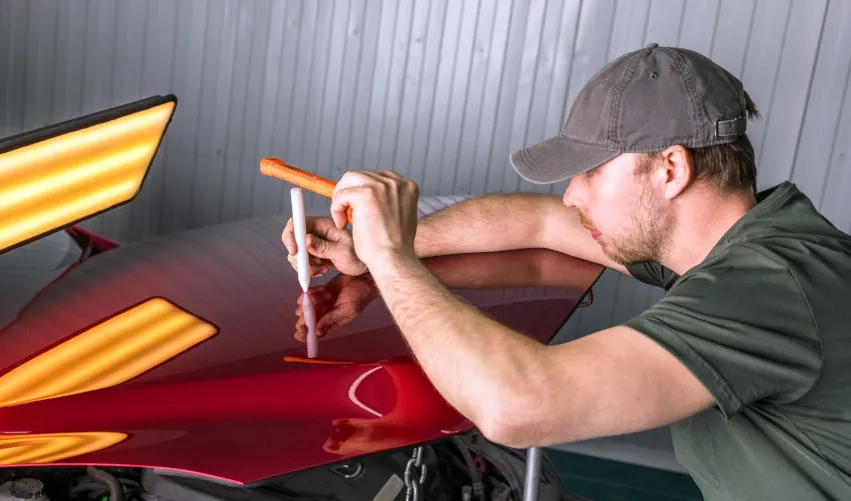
x=533, y=474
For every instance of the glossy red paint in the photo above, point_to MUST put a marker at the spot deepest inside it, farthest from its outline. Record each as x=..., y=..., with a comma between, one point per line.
x=232, y=407
x=86, y=239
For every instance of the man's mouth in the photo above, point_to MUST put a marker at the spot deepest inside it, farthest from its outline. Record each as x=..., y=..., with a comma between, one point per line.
x=584, y=221
x=594, y=233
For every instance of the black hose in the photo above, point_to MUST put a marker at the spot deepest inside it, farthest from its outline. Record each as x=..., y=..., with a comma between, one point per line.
x=475, y=474
x=116, y=492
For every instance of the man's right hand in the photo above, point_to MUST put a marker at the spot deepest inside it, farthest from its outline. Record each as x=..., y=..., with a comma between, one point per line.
x=328, y=246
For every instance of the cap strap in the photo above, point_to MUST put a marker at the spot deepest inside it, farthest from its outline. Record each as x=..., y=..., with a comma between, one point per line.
x=733, y=127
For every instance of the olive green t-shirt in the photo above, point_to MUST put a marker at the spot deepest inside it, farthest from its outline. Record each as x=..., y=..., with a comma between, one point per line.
x=764, y=322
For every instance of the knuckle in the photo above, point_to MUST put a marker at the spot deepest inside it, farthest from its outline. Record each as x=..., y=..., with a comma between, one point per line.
x=357, y=176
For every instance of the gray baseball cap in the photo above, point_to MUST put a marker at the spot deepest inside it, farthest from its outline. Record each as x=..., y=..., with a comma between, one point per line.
x=643, y=101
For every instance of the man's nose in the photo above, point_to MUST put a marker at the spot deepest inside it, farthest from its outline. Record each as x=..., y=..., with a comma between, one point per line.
x=573, y=194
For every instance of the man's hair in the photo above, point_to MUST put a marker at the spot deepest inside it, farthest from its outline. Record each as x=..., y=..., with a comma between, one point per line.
x=731, y=167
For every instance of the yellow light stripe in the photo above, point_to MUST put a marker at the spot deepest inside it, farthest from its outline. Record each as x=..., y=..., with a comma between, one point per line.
x=53, y=183
x=112, y=367
x=115, y=133
x=107, y=354
x=96, y=340
x=39, y=190
x=81, y=207
x=51, y=447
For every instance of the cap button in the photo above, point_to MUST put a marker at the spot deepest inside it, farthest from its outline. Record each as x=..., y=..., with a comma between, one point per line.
x=652, y=46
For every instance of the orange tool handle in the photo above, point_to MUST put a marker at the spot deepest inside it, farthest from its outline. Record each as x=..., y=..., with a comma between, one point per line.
x=278, y=168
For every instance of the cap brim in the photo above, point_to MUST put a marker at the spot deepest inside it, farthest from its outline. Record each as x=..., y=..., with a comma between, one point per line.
x=557, y=159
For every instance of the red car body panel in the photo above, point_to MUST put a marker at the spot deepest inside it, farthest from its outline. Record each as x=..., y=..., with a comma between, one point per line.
x=232, y=406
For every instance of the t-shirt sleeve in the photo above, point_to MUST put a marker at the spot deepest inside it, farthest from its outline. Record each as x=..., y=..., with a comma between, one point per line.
x=743, y=327
x=653, y=273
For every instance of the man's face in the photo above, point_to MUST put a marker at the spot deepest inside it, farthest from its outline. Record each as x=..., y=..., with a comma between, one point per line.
x=621, y=210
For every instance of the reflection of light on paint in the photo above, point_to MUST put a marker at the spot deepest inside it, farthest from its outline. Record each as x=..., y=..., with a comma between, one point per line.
x=52, y=183
x=107, y=354
x=353, y=397
x=50, y=447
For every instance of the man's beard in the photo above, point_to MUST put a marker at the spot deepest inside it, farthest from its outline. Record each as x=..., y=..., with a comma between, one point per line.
x=646, y=235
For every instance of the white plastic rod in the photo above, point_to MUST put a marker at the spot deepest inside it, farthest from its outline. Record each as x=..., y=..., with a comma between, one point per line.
x=300, y=236
x=310, y=323
x=304, y=270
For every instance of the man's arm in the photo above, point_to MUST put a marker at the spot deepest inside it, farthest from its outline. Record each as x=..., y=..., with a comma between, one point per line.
x=494, y=222
x=519, y=392
x=522, y=393
x=508, y=221
x=491, y=223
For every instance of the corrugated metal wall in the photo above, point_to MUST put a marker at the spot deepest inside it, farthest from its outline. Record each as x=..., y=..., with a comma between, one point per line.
x=439, y=90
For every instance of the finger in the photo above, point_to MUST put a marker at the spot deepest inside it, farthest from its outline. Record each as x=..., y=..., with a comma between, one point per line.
x=340, y=198
x=301, y=333
x=316, y=270
x=320, y=247
x=327, y=323
x=334, y=319
x=288, y=237
x=339, y=213
x=318, y=291
x=347, y=198
x=313, y=269
x=324, y=227
x=392, y=174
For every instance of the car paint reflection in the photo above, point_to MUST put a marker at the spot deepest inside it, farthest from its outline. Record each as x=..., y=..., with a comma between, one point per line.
x=418, y=409
x=35, y=448
x=109, y=353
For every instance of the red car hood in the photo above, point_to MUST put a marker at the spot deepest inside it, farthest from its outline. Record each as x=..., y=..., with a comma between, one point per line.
x=170, y=353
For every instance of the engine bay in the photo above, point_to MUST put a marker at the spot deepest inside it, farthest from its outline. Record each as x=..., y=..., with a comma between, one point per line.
x=467, y=468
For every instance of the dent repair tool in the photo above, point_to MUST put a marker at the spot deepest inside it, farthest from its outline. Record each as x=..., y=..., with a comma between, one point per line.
x=304, y=270
x=274, y=167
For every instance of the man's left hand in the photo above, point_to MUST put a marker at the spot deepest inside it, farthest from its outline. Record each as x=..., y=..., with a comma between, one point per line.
x=384, y=214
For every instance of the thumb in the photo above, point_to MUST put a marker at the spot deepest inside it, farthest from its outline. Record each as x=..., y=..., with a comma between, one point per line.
x=319, y=247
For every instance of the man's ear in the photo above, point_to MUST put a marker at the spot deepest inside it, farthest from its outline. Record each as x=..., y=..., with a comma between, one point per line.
x=677, y=165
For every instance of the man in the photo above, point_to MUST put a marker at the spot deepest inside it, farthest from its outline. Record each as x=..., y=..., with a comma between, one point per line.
x=749, y=353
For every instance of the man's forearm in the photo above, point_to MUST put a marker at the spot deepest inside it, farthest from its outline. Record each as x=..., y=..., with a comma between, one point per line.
x=495, y=222
x=449, y=337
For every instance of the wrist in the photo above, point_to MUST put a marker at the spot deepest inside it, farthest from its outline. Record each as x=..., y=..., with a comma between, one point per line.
x=425, y=244
x=389, y=264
